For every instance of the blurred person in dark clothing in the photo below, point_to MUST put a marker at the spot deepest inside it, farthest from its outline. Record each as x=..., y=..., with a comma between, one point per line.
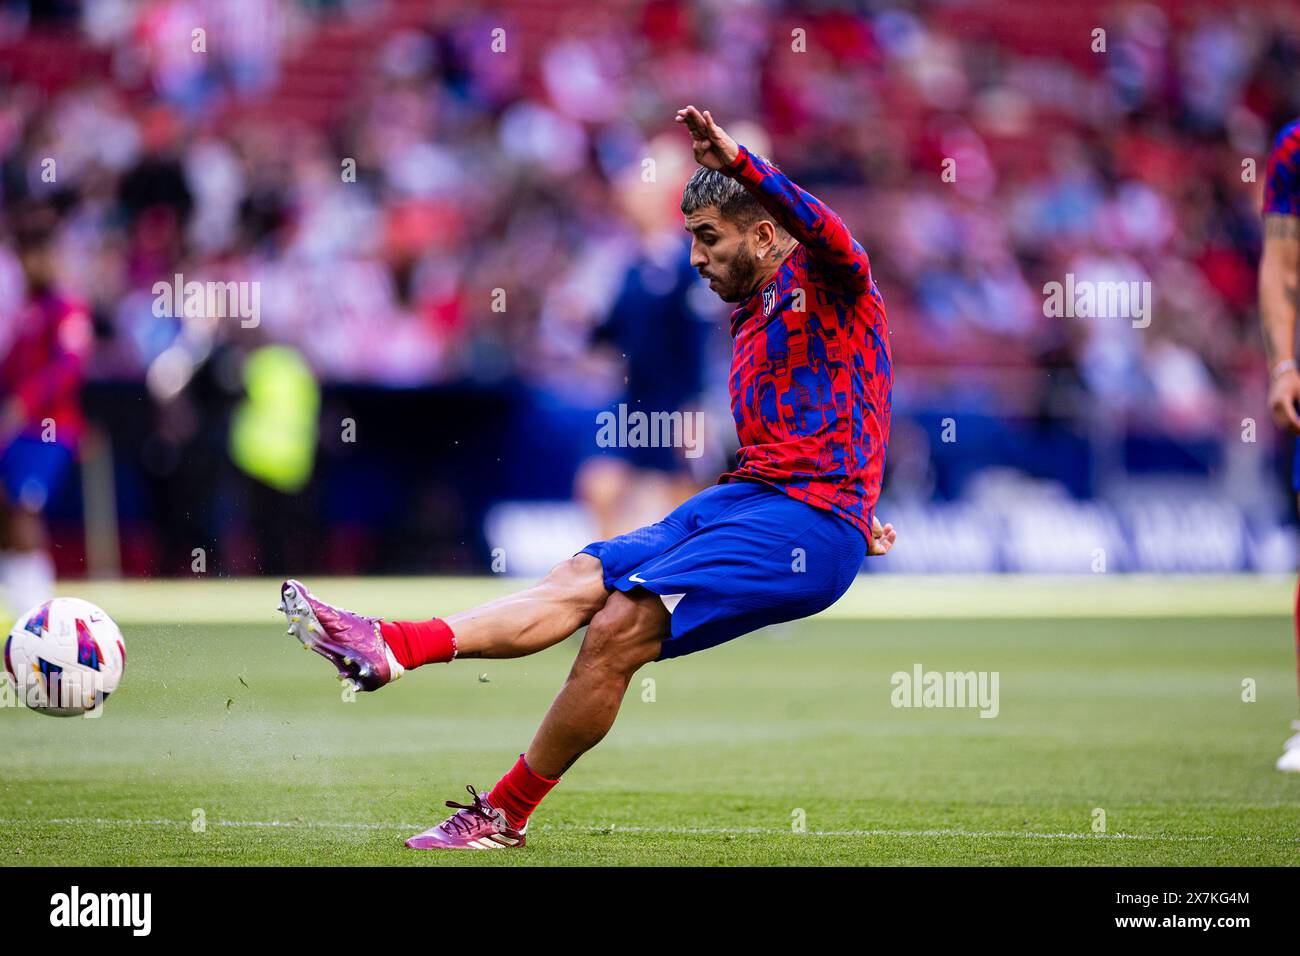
x=194, y=385
x=656, y=326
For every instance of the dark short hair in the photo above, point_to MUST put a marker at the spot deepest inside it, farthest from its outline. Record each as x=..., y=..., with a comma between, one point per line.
x=709, y=187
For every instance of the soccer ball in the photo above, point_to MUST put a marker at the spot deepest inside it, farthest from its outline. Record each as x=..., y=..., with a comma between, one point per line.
x=65, y=657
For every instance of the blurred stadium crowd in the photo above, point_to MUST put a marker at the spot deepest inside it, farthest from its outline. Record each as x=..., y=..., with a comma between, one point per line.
x=523, y=169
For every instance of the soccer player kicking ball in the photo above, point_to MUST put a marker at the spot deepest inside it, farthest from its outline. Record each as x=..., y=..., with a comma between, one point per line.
x=779, y=538
x=1279, y=275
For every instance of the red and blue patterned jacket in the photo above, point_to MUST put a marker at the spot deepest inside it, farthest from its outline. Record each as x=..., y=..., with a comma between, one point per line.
x=811, y=375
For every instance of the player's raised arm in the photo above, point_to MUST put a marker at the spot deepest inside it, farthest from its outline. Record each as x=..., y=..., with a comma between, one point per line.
x=815, y=226
x=1279, y=277
x=1279, y=269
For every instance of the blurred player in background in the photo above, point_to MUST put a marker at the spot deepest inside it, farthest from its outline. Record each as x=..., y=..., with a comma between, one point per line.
x=779, y=538
x=659, y=336
x=40, y=413
x=1279, y=274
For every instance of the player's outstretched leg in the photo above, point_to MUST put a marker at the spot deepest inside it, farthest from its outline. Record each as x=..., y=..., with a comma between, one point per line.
x=354, y=644
x=624, y=635
x=372, y=652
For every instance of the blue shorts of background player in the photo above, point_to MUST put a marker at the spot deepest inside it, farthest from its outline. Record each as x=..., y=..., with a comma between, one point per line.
x=33, y=471
x=732, y=559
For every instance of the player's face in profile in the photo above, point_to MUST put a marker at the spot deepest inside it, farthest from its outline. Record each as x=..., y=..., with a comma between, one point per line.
x=721, y=253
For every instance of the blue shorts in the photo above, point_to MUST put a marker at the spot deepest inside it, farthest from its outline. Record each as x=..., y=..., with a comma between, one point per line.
x=33, y=471
x=1295, y=468
x=735, y=558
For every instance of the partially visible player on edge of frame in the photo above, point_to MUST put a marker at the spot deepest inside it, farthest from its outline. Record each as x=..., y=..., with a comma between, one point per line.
x=40, y=413
x=780, y=538
x=1279, y=269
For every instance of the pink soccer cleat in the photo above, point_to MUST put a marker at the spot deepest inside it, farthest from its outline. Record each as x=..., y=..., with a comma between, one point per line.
x=474, y=826
x=352, y=643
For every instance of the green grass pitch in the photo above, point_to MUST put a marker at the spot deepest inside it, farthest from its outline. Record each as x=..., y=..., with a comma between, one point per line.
x=226, y=744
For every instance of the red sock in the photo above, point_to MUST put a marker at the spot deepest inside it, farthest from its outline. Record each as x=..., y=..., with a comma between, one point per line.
x=419, y=642
x=518, y=793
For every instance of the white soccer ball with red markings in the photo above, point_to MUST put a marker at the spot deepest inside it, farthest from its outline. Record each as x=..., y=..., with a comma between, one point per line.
x=64, y=658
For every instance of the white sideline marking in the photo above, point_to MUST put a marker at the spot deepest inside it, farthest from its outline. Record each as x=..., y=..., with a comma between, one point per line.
x=872, y=597
x=684, y=831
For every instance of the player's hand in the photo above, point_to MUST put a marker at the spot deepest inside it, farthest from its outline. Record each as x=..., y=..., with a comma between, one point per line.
x=882, y=537
x=713, y=148
x=1283, y=394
